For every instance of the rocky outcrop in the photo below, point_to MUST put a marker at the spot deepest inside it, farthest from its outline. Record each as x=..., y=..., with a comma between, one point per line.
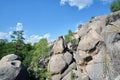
x=12, y=69
x=97, y=56
x=99, y=48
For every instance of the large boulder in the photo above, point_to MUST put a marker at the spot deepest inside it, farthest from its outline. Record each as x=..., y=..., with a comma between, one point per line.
x=57, y=64
x=89, y=40
x=11, y=69
x=59, y=45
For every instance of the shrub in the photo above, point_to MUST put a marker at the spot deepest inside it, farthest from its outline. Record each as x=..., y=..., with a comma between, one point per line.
x=115, y=5
x=40, y=51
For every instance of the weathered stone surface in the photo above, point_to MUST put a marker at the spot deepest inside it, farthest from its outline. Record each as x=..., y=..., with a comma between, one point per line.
x=83, y=30
x=11, y=69
x=117, y=78
x=69, y=75
x=68, y=57
x=75, y=75
x=71, y=67
x=9, y=57
x=57, y=64
x=94, y=67
x=100, y=41
x=56, y=77
x=59, y=46
x=89, y=40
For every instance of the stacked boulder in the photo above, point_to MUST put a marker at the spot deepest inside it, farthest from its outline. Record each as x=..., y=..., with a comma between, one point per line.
x=61, y=62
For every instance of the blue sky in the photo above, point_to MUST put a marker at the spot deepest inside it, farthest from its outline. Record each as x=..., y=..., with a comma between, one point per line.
x=47, y=18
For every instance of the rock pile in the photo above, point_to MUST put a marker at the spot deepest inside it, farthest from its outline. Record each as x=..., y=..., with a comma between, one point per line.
x=97, y=56
x=62, y=62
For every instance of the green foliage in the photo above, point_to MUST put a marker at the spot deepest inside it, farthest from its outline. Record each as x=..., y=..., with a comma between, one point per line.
x=18, y=40
x=3, y=41
x=44, y=74
x=115, y=6
x=40, y=51
x=2, y=48
x=27, y=51
x=67, y=38
x=74, y=41
x=41, y=48
x=6, y=48
x=70, y=38
x=29, y=54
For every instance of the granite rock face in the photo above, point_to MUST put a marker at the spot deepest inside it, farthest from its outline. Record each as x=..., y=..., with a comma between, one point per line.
x=99, y=47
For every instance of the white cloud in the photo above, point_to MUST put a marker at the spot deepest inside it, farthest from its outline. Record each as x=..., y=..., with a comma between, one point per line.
x=7, y=35
x=35, y=38
x=19, y=26
x=10, y=33
x=46, y=36
x=78, y=3
x=29, y=39
x=3, y=35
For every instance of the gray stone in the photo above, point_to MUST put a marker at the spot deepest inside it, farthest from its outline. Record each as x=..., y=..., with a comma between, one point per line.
x=77, y=76
x=71, y=67
x=117, y=78
x=69, y=75
x=11, y=69
x=59, y=45
x=68, y=57
x=89, y=40
x=9, y=57
x=56, y=77
x=57, y=64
